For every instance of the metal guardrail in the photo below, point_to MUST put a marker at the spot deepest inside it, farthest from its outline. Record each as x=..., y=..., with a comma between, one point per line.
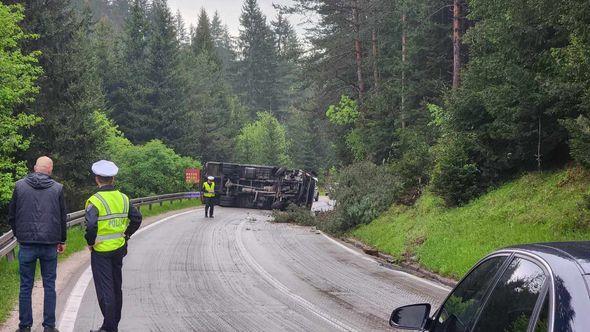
x=8, y=242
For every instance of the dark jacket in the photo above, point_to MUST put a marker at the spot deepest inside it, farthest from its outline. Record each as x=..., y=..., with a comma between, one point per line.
x=37, y=212
x=134, y=216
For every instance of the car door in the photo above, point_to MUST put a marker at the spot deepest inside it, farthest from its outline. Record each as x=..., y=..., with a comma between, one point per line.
x=516, y=299
x=461, y=307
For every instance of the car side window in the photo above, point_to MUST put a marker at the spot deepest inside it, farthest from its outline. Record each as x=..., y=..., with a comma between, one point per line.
x=542, y=324
x=512, y=302
x=461, y=306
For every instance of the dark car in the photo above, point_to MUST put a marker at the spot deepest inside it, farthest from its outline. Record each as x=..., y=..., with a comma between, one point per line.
x=536, y=288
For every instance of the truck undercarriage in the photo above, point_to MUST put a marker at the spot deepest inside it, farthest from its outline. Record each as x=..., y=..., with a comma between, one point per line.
x=261, y=187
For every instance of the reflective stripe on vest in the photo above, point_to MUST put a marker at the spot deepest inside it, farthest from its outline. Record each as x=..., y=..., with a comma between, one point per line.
x=113, y=219
x=209, y=189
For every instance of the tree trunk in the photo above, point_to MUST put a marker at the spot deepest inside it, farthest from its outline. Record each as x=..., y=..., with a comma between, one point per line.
x=539, y=142
x=358, y=50
x=375, y=59
x=404, y=62
x=456, y=43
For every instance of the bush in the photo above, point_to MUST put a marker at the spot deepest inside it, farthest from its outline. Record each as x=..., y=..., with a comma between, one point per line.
x=362, y=192
x=144, y=170
x=295, y=215
x=455, y=177
x=579, y=130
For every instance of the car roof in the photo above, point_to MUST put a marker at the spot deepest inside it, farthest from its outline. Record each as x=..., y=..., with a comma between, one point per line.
x=578, y=252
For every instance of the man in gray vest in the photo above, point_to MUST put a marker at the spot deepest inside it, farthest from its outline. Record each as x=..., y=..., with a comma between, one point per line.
x=37, y=215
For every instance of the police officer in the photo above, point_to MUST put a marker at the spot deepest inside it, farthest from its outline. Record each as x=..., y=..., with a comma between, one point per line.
x=110, y=222
x=209, y=196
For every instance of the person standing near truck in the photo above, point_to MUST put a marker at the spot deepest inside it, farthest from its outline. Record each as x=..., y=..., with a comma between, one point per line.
x=209, y=196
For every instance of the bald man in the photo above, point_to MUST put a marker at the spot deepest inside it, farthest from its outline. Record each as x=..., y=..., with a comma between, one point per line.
x=37, y=215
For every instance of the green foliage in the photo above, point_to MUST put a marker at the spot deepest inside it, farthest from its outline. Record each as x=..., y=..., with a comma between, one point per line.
x=18, y=74
x=579, y=130
x=456, y=178
x=412, y=163
x=69, y=93
x=144, y=170
x=263, y=142
x=295, y=215
x=362, y=192
x=345, y=113
x=150, y=169
x=450, y=240
x=202, y=41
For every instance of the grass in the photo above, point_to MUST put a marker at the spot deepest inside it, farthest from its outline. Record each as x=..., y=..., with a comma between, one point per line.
x=9, y=277
x=534, y=208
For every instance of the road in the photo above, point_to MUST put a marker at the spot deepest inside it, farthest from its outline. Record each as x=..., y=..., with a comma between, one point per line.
x=238, y=272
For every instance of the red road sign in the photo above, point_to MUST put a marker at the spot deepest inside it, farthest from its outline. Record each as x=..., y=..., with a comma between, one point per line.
x=192, y=175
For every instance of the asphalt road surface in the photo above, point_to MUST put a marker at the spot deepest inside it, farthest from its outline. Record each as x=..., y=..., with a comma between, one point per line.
x=238, y=272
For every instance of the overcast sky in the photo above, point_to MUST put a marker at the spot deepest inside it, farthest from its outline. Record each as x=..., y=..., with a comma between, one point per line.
x=229, y=10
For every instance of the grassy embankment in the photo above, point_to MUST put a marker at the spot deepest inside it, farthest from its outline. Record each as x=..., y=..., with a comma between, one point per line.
x=448, y=241
x=9, y=277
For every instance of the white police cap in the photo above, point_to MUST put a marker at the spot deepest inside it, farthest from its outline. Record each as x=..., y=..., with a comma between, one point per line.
x=210, y=178
x=105, y=168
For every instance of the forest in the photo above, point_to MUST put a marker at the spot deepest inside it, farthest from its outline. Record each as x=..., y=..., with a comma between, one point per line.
x=385, y=99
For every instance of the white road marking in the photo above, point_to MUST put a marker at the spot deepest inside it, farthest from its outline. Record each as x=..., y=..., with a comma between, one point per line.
x=284, y=289
x=409, y=275
x=349, y=249
x=70, y=313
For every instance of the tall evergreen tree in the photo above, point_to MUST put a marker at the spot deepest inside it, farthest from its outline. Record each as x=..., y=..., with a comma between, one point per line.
x=130, y=107
x=259, y=60
x=183, y=37
x=164, y=80
x=288, y=44
x=69, y=92
x=202, y=41
x=224, y=48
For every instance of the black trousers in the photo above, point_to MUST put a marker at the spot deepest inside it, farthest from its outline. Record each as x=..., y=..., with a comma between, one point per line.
x=108, y=280
x=209, y=206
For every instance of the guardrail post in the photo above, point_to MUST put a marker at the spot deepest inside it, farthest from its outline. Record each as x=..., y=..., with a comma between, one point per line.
x=11, y=256
x=150, y=206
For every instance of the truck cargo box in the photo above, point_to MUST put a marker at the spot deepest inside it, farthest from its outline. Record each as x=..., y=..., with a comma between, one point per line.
x=260, y=187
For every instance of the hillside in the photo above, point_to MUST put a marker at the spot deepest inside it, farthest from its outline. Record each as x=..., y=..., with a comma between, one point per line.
x=534, y=208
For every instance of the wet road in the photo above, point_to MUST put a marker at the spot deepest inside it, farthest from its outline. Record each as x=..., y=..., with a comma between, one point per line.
x=238, y=272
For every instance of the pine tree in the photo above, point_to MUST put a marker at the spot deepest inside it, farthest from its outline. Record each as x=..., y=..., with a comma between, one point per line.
x=183, y=37
x=69, y=92
x=258, y=67
x=130, y=107
x=287, y=42
x=107, y=49
x=164, y=80
x=224, y=48
x=202, y=41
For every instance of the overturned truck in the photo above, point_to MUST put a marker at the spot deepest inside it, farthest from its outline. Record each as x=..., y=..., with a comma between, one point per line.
x=260, y=187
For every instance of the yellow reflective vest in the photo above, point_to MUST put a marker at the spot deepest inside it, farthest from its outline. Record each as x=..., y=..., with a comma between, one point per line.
x=113, y=219
x=209, y=189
